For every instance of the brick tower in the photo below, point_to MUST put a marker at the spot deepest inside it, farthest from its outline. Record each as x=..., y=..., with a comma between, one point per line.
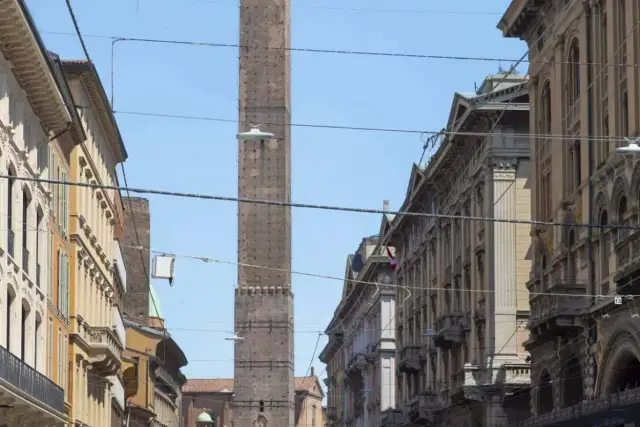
x=264, y=375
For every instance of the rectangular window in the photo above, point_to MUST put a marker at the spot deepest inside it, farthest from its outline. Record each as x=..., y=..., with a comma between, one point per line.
x=65, y=367
x=60, y=357
x=65, y=290
x=49, y=268
x=56, y=194
x=64, y=203
x=313, y=416
x=59, y=280
x=50, y=349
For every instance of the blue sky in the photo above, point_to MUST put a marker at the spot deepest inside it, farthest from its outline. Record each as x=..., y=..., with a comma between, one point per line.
x=337, y=167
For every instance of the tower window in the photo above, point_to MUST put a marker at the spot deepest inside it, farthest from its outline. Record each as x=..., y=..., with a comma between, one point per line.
x=262, y=406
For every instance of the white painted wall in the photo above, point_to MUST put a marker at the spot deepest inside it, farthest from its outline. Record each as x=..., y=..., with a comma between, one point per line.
x=24, y=146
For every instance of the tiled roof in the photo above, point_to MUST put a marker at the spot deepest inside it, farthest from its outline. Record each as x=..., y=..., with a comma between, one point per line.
x=211, y=385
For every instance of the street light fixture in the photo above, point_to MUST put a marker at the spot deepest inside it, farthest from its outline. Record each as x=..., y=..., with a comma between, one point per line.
x=253, y=135
x=234, y=338
x=631, y=148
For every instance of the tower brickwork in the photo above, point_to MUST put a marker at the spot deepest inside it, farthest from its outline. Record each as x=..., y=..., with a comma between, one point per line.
x=264, y=372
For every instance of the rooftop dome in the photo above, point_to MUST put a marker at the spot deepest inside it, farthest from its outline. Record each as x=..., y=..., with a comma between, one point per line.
x=154, y=303
x=204, y=418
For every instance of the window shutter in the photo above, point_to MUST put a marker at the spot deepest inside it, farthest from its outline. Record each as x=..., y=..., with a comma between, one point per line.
x=63, y=213
x=66, y=285
x=59, y=284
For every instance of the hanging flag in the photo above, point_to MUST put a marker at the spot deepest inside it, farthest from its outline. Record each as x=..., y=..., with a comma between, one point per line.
x=392, y=261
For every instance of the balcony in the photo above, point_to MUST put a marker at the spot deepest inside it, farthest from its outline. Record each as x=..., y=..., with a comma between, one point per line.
x=554, y=313
x=409, y=359
x=421, y=409
x=11, y=242
x=448, y=330
x=371, y=352
x=28, y=391
x=25, y=260
x=102, y=346
x=162, y=374
x=357, y=363
x=118, y=263
x=332, y=413
x=392, y=418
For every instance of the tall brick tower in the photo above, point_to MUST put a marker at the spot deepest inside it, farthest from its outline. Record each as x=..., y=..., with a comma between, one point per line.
x=264, y=373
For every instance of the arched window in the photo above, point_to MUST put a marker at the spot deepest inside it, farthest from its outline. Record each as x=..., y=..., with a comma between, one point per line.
x=622, y=212
x=26, y=203
x=604, y=245
x=573, y=81
x=545, y=109
x=10, y=233
x=543, y=156
x=24, y=328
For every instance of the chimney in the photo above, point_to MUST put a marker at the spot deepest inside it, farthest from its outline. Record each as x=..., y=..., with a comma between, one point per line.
x=385, y=205
x=313, y=372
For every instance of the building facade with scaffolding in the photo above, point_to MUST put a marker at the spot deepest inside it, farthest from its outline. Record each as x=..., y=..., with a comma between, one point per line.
x=585, y=86
x=360, y=353
x=459, y=335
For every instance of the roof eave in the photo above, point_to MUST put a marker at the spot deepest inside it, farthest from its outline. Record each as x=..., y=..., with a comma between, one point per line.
x=26, y=52
x=511, y=22
x=89, y=74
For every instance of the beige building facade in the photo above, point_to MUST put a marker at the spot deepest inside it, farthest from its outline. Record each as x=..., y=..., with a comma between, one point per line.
x=460, y=330
x=360, y=353
x=97, y=279
x=585, y=352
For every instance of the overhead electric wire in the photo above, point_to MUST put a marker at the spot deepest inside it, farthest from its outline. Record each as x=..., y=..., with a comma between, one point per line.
x=334, y=51
x=208, y=259
x=383, y=243
x=87, y=56
x=561, y=137
x=364, y=9
x=316, y=206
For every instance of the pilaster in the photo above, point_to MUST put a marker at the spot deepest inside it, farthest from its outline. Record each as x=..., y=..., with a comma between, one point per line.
x=503, y=252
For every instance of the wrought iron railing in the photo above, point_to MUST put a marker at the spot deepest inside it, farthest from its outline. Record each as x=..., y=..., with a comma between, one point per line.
x=29, y=381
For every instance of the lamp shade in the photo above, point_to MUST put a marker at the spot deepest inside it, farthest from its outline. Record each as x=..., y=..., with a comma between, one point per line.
x=204, y=417
x=632, y=148
x=253, y=135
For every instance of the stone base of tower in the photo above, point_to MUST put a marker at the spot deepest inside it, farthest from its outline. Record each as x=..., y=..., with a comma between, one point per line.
x=264, y=382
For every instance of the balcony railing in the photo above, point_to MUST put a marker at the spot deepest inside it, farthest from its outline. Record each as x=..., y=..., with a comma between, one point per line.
x=11, y=242
x=105, y=351
x=410, y=359
x=25, y=260
x=23, y=377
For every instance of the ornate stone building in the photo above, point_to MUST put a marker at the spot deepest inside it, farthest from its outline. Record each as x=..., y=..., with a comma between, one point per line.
x=584, y=346
x=33, y=112
x=360, y=354
x=461, y=330
x=95, y=279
